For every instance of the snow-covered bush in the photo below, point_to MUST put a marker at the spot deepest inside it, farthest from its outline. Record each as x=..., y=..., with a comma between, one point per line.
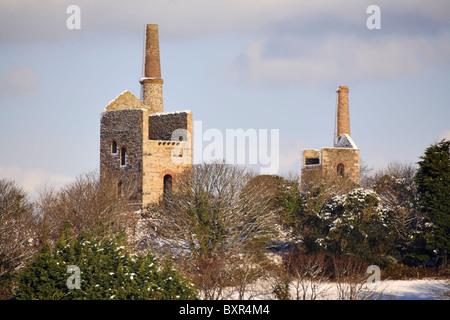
x=356, y=223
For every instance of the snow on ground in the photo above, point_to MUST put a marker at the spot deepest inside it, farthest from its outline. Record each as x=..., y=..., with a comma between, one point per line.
x=420, y=289
x=415, y=289
x=424, y=289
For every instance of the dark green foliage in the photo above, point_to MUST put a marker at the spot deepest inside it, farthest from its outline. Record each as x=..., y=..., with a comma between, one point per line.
x=433, y=186
x=43, y=279
x=296, y=216
x=208, y=225
x=290, y=200
x=108, y=271
x=281, y=288
x=358, y=224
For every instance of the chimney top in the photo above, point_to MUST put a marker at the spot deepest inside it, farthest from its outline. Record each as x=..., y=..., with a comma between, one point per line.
x=342, y=113
x=152, y=67
x=342, y=88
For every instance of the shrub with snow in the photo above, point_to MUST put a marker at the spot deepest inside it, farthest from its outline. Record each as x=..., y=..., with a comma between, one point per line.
x=107, y=271
x=357, y=223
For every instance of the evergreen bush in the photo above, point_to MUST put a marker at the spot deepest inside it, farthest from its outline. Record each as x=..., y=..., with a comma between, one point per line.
x=107, y=271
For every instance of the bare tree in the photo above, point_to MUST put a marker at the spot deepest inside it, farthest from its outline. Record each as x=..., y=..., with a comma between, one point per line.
x=17, y=233
x=350, y=274
x=246, y=273
x=209, y=276
x=366, y=178
x=89, y=204
x=310, y=272
x=216, y=211
x=280, y=282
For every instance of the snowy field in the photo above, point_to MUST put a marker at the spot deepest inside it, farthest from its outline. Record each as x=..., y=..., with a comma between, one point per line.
x=415, y=289
x=425, y=289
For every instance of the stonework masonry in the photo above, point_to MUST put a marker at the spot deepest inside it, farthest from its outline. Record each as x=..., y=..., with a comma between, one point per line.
x=162, y=126
x=343, y=158
x=342, y=112
x=139, y=142
x=165, y=156
x=349, y=158
x=124, y=127
x=151, y=82
x=152, y=62
x=151, y=93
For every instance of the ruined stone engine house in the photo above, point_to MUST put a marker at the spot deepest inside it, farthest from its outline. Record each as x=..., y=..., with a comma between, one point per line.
x=343, y=158
x=140, y=143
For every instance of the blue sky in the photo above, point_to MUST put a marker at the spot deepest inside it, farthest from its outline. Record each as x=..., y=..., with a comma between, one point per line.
x=235, y=64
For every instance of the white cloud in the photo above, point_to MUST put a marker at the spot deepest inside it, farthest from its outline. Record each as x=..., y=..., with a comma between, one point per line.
x=340, y=58
x=18, y=80
x=33, y=179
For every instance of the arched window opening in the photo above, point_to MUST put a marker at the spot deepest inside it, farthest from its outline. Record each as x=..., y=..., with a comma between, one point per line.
x=340, y=169
x=123, y=156
x=119, y=189
x=167, y=183
x=114, y=147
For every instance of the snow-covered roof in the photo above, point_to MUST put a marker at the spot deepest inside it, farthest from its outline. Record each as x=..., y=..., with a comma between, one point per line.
x=345, y=141
x=125, y=100
x=169, y=112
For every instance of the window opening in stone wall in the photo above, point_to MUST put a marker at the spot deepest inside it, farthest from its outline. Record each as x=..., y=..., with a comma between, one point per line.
x=119, y=189
x=114, y=147
x=167, y=183
x=123, y=156
x=310, y=161
x=340, y=169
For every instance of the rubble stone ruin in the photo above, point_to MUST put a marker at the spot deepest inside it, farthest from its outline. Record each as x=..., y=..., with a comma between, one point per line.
x=343, y=158
x=141, y=143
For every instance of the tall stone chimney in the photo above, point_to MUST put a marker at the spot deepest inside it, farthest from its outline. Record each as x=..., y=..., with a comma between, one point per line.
x=342, y=113
x=151, y=82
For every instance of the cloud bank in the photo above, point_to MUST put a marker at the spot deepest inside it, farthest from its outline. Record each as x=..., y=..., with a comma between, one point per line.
x=345, y=58
x=290, y=41
x=32, y=180
x=45, y=20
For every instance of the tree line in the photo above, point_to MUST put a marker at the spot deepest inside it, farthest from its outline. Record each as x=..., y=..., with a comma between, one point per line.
x=222, y=230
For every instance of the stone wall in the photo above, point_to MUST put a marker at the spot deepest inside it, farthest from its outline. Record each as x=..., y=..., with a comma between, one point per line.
x=164, y=156
x=331, y=157
x=162, y=126
x=151, y=94
x=310, y=154
x=124, y=127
